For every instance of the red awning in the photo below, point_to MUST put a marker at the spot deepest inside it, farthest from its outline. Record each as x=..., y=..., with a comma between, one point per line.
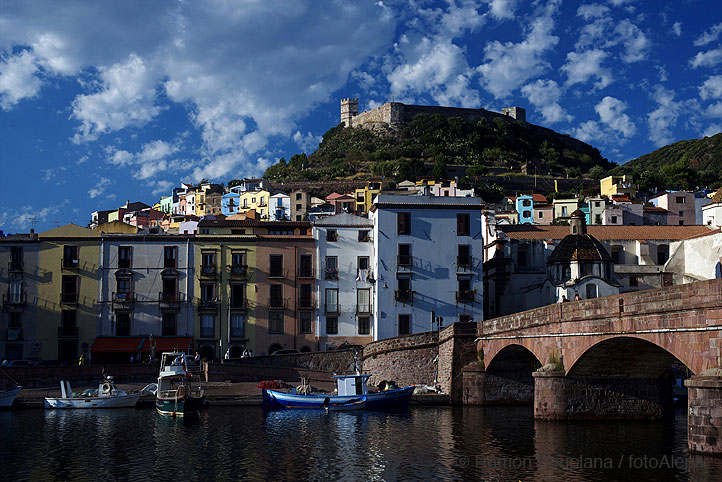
x=117, y=344
x=168, y=343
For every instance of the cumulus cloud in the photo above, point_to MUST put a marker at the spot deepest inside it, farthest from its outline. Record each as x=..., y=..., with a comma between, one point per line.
x=509, y=65
x=99, y=188
x=611, y=112
x=709, y=36
x=706, y=59
x=590, y=11
x=18, y=79
x=581, y=66
x=307, y=143
x=677, y=29
x=545, y=95
x=711, y=88
x=635, y=42
x=28, y=216
x=153, y=157
x=502, y=9
x=663, y=119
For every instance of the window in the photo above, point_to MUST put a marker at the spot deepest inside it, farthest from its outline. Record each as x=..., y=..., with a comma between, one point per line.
x=275, y=322
x=16, y=258
x=614, y=219
x=633, y=281
x=364, y=325
x=238, y=325
x=680, y=200
x=169, y=324
x=208, y=295
x=124, y=256
x=299, y=207
x=617, y=255
x=237, y=231
x=170, y=257
x=564, y=211
x=123, y=287
x=122, y=324
x=404, y=324
x=597, y=219
x=15, y=292
x=662, y=253
x=362, y=262
x=208, y=322
x=305, y=299
x=238, y=295
x=305, y=324
x=403, y=293
x=170, y=289
x=363, y=300
x=522, y=256
x=332, y=325
x=276, y=263
x=299, y=196
x=591, y=291
x=331, y=235
x=597, y=204
x=238, y=262
x=69, y=323
x=276, y=298
x=305, y=266
x=465, y=292
x=526, y=203
x=70, y=289
x=331, y=300
x=331, y=267
x=462, y=224
x=403, y=223
x=70, y=256
x=404, y=257
x=463, y=255
x=526, y=214
x=541, y=214
x=15, y=320
x=208, y=261
x=363, y=236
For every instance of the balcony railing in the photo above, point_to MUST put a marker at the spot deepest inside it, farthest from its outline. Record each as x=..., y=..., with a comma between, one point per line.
x=463, y=263
x=306, y=273
x=239, y=269
x=331, y=273
x=67, y=332
x=403, y=261
x=123, y=297
x=239, y=304
x=363, y=309
x=171, y=297
x=305, y=302
x=15, y=299
x=331, y=308
x=14, y=334
x=15, y=266
x=70, y=263
x=205, y=304
x=467, y=295
x=276, y=302
x=208, y=269
x=69, y=298
x=404, y=296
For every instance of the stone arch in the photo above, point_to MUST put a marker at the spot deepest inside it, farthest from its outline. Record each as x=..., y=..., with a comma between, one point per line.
x=236, y=351
x=509, y=377
x=512, y=354
x=624, y=356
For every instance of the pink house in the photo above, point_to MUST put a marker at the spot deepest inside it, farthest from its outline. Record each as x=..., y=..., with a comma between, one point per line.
x=342, y=203
x=680, y=205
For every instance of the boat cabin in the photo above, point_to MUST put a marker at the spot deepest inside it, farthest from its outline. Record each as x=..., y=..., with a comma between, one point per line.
x=172, y=363
x=349, y=385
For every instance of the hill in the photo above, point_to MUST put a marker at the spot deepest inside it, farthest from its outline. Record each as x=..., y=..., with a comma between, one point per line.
x=689, y=164
x=430, y=142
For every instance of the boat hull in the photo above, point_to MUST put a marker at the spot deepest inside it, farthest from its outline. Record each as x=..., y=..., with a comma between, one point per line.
x=120, y=401
x=390, y=398
x=8, y=396
x=185, y=407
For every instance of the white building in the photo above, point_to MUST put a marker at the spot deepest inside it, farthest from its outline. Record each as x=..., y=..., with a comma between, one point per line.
x=344, y=271
x=428, y=260
x=279, y=207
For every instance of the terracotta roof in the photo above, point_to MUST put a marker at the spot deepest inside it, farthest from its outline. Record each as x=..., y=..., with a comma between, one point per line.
x=527, y=231
x=653, y=209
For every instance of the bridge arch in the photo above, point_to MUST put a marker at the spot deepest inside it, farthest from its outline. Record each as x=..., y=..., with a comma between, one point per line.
x=513, y=357
x=509, y=378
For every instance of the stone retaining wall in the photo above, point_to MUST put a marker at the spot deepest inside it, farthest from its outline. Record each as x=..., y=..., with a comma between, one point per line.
x=338, y=361
x=408, y=360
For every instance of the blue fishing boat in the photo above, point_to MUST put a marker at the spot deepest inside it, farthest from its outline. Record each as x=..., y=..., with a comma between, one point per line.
x=350, y=388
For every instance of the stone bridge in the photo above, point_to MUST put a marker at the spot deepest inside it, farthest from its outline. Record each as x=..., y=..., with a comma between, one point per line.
x=613, y=357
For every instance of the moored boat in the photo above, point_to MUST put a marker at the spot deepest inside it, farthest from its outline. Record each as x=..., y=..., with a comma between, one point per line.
x=350, y=387
x=106, y=396
x=353, y=404
x=8, y=396
x=179, y=392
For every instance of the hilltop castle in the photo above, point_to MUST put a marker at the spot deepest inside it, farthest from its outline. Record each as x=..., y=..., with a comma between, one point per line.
x=396, y=113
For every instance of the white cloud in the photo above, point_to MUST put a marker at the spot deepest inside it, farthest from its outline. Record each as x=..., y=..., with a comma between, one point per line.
x=17, y=79
x=544, y=95
x=150, y=160
x=581, y=66
x=663, y=119
x=307, y=143
x=710, y=36
x=617, y=3
x=28, y=216
x=127, y=98
x=502, y=9
x=509, y=65
x=594, y=10
x=611, y=113
x=636, y=44
x=712, y=130
x=99, y=188
x=706, y=59
x=677, y=29
x=160, y=187
x=589, y=131
x=711, y=88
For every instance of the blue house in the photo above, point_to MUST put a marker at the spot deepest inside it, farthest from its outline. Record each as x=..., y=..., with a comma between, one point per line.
x=525, y=209
x=230, y=203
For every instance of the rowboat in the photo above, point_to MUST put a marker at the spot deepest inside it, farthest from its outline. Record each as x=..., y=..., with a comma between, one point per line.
x=350, y=388
x=8, y=396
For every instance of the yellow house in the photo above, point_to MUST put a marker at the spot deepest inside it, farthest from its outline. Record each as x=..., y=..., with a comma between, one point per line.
x=257, y=200
x=563, y=208
x=67, y=292
x=225, y=288
x=618, y=185
x=366, y=195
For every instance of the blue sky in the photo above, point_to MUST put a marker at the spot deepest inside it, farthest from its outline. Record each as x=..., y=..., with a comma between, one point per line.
x=101, y=102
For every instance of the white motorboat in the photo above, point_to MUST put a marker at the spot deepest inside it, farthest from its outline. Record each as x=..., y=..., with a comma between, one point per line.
x=8, y=396
x=106, y=396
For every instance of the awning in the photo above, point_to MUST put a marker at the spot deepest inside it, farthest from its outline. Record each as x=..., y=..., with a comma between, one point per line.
x=117, y=344
x=169, y=343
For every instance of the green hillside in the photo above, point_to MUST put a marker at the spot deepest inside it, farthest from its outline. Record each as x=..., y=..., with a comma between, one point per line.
x=429, y=143
x=690, y=164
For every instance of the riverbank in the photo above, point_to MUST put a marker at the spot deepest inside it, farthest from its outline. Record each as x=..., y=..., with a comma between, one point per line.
x=217, y=394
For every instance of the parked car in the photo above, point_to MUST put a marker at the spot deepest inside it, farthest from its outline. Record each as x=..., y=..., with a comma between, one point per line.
x=23, y=363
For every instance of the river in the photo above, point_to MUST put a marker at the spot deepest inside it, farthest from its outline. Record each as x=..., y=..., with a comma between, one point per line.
x=422, y=443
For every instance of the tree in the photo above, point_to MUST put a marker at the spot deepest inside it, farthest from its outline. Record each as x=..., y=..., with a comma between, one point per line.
x=234, y=183
x=597, y=172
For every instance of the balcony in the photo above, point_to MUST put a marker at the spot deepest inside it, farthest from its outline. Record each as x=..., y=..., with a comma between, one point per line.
x=70, y=263
x=466, y=296
x=123, y=301
x=331, y=308
x=15, y=266
x=363, y=309
x=15, y=299
x=207, y=304
x=208, y=270
x=331, y=273
x=307, y=273
x=277, y=302
x=239, y=270
x=241, y=304
x=171, y=300
x=404, y=296
x=14, y=334
x=404, y=261
x=69, y=298
x=278, y=273
x=463, y=263
x=305, y=302
x=67, y=332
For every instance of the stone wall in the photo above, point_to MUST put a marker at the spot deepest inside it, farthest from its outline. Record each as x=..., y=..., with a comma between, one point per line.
x=88, y=375
x=704, y=419
x=408, y=360
x=338, y=361
x=457, y=349
x=236, y=373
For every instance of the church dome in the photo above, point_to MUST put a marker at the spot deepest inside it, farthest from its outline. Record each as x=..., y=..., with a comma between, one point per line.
x=580, y=248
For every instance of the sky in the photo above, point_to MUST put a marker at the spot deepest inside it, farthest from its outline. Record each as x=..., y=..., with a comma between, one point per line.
x=103, y=102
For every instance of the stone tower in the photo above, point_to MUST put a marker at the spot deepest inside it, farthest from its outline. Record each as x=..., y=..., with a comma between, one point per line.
x=517, y=113
x=349, y=110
